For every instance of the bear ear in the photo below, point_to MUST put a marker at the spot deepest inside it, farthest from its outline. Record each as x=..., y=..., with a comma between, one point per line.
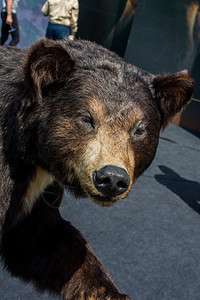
x=46, y=62
x=172, y=92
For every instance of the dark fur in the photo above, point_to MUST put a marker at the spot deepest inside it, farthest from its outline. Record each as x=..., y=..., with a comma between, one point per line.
x=57, y=101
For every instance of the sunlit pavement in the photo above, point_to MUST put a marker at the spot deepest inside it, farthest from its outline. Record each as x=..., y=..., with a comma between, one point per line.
x=149, y=242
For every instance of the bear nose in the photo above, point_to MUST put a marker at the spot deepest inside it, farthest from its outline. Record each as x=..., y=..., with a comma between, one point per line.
x=111, y=180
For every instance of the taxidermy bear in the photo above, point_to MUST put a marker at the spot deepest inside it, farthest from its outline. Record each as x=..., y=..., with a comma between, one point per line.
x=73, y=115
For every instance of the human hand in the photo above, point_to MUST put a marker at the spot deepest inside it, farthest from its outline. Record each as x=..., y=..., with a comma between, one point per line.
x=9, y=19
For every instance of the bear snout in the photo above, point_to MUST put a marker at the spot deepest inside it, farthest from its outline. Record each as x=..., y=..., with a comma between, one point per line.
x=111, y=180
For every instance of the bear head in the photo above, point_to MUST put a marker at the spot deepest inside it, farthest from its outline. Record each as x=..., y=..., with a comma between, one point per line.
x=99, y=117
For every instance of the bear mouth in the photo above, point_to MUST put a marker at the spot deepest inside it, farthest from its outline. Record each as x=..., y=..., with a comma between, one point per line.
x=79, y=192
x=102, y=200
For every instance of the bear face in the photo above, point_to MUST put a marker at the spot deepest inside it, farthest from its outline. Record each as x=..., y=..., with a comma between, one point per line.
x=103, y=144
x=100, y=117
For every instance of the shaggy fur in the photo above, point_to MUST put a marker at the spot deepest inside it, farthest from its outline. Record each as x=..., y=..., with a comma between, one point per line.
x=73, y=115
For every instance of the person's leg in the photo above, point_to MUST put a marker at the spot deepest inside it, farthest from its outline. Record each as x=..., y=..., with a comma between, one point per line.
x=49, y=31
x=62, y=32
x=15, y=34
x=4, y=28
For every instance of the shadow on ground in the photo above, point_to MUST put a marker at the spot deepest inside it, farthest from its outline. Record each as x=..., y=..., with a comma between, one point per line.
x=196, y=133
x=187, y=190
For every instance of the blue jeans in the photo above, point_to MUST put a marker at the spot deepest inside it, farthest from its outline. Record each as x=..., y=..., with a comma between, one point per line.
x=57, y=31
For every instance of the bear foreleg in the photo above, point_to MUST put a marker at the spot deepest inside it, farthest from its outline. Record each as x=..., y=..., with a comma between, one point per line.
x=48, y=251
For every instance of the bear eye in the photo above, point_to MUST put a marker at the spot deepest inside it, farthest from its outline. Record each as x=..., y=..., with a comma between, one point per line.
x=139, y=131
x=87, y=120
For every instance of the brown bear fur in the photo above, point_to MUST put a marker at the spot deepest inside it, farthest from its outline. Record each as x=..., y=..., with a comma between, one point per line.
x=73, y=115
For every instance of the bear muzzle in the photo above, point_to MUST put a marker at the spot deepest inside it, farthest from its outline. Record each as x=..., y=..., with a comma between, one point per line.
x=111, y=181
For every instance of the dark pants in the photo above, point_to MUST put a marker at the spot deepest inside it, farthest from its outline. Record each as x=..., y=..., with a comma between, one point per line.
x=5, y=30
x=57, y=31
